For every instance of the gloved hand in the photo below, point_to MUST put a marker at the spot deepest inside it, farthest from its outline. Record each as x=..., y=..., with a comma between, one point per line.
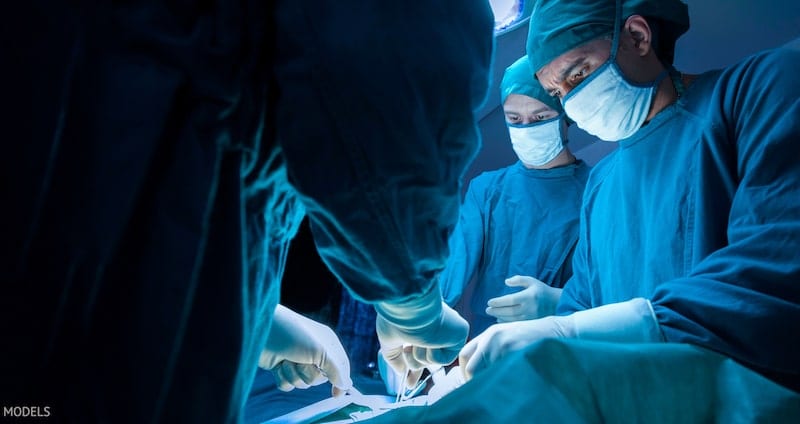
x=443, y=383
x=626, y=322
x=301, y=353
x=393, y=380
x=431, y=331
x=536, y=300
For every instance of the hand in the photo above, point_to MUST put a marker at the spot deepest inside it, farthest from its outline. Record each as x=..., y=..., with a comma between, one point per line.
x=501, y=339
x=301, y=353
x=632, y=321
x=392, y=380
x=443, y=383
x=436, y=343
x=536, y=300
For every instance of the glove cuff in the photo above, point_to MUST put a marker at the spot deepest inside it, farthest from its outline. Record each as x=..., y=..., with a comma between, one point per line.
x=417, y=312
x=629, y=322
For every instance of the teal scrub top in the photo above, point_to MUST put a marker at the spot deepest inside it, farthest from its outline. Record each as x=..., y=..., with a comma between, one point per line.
x=513, y=221
x=699, y=211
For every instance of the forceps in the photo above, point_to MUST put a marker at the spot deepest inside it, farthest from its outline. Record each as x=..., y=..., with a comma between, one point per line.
x=406, y=393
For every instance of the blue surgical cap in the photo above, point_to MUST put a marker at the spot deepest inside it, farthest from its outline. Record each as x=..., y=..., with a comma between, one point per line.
x=519, y=79
x=558, y=26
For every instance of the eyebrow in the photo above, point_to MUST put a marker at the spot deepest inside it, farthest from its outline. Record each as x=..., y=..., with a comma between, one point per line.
x=540, y=110
x=576, y=63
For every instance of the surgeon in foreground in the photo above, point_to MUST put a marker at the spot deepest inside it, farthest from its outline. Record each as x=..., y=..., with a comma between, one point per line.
x=690, y=230
x=167, y=154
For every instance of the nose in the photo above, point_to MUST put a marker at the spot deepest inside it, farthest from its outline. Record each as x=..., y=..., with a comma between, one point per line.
x=563, y=90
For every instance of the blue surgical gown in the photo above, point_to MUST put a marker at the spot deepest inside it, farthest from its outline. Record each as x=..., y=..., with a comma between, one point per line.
x=699, y=211
x=514, y=221
x=159, y=157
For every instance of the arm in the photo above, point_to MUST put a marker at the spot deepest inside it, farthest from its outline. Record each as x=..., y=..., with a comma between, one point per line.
x=376, y=142
x=743, y=300
x=466, y=247
x=576, y=295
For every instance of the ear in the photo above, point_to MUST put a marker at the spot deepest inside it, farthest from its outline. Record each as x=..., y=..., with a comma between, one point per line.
x=638, y=38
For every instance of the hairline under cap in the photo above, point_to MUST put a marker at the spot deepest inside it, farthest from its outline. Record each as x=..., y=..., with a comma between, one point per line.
x=592, y=32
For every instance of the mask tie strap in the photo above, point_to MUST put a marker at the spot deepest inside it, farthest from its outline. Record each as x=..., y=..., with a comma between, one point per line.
x=677, y=81
x=617, y=30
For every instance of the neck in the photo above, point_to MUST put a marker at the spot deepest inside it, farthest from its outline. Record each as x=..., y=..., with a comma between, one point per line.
x=564, y=158
x=665, y=96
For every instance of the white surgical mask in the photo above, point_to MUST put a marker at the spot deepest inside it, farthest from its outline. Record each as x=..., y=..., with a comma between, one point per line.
x=538, y=143
x=609, y=106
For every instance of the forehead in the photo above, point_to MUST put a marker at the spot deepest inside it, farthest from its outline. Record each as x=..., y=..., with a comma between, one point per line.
x=521, y=103
x=592, y=51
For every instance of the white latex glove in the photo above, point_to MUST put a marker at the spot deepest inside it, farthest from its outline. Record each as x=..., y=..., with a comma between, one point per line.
x=536, y=300
x=393, y=380
x=443, y=385
x=301, y=353
x=422, y=332
x=626, y=322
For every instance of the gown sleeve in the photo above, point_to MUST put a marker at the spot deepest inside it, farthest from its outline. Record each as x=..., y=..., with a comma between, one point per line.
x=376, y=141
x=743, y=300
x=466, y=247
x=576, y=291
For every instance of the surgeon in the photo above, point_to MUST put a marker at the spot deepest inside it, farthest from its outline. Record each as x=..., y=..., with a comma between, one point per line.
x=164, y=156
x=690, y=230
x=518, y=225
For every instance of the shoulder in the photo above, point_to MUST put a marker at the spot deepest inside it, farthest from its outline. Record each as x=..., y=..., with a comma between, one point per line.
x=486, y=180
x=602, y=168
x=766, y=75
x=494, y=176
x=582, y=170
x=774, y=69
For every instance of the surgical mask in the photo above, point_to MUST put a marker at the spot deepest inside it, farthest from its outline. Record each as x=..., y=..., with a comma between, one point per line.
x=538, y=143
x=609, y=106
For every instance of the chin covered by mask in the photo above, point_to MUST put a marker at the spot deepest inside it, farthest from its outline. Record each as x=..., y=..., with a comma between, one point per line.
x=538, y=143
x=609, y=106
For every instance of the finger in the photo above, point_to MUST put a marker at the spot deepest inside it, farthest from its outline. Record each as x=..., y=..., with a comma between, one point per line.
x=281, y=381
x=290, y=372
x=476, y=362
x=415, y=357
x=336, y=392
x=503, y=301
x=465, y=356
x=268, y=359
x=310, y=374
x=520, y=281
x=413, y=377
x=444, y=356
x=394, y=358
x=427, y=357
x=505, y=312
x=336, y=367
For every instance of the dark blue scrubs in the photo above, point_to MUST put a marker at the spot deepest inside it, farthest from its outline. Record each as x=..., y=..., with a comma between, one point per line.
x=160, y=156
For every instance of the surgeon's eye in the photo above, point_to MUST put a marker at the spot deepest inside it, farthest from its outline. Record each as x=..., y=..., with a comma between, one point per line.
x=577, y=77
x=513, y=119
